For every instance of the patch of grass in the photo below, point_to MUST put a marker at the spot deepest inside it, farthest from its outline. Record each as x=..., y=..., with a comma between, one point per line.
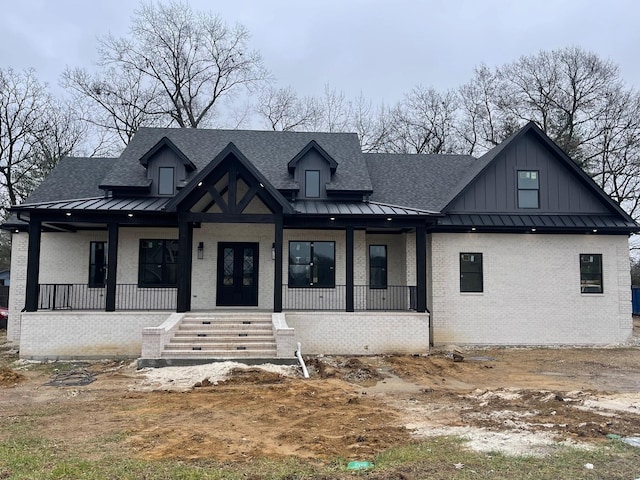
x=26, y=456
x=446, y=457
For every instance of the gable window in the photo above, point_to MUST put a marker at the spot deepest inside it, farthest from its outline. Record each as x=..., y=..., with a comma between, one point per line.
x=312, y=183
x=471, y=272
x=158, y=263
x=312, y=264
x=97, y=264
x=377, y=266
x=528, y=189
x=166, y=181
x=591, y=273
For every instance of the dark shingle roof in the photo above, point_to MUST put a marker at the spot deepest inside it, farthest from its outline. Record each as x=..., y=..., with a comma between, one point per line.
x=268, y=151
x=426, y=182
x=72, y=178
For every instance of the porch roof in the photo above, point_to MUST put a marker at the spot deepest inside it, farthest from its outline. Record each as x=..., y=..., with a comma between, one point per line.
x=550, y=222
x=315, y=207
x=158, y=205
x=132, y=204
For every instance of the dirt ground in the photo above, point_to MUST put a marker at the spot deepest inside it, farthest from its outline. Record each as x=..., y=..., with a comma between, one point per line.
x=516, y=400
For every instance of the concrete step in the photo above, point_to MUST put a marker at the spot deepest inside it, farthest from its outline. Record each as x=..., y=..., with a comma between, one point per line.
x=270, y=353
x=249, y=317
x=231, y=346
x=220, y=336
x=233, y=335
x=190, y=327
x=221, y=341
x=217, y=321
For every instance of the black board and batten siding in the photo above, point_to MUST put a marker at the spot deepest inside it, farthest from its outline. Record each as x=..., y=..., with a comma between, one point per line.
x=496, y=189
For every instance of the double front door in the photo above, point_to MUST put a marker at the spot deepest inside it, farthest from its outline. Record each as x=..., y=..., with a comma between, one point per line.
x=237, y=274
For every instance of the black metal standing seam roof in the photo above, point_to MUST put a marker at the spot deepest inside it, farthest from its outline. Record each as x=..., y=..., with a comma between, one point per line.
x=102, y=204
x=424, y=182
x=562, y=222
x=268, y=151
x=311, y=207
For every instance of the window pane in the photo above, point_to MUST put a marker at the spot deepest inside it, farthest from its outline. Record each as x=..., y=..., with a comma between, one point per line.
x=299, y=275
x=247, y=267
x=158, y=262
x=312, y=264
x=165, y=181
x=97, y=263
x=527, y=198
x=528, y=189
x=528, y=180
x=312, y=183
x=299, y=253
x=228, y=261
x=591, y=273
x=171, y=251
x=323, y=252
x=471, y=272
x=151, y=274
x=377, y=266
x=151, y=251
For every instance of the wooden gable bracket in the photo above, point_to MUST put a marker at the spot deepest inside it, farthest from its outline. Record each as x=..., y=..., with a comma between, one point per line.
x=232, y=163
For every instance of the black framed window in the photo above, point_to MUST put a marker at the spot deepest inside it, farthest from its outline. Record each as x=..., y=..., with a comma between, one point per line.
x=158, y=263
x=528, y=189
x=312, y=183
x=471, y=272
x=166, y=181
x=312, y=264
x=591, y=273
x=377, y=266
x=97, y=264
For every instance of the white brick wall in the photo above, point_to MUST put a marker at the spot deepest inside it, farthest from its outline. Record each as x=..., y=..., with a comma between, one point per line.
x=360, y=333
x=67, y=335
x=19, y=246
x=204, y=271
x=531, y=290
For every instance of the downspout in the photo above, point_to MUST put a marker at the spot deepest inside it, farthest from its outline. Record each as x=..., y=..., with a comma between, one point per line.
x=305, y=372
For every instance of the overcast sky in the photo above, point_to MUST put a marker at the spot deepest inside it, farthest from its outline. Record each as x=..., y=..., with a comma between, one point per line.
x=381, y=48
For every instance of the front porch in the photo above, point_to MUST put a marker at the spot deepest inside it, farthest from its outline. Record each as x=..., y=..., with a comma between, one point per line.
x=151, y=336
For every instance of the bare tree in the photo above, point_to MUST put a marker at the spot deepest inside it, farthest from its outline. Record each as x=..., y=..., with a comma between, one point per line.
x=564, y=91
x=481, y=123
x=35, y=132
x=614, y=154
x=371, y=124
x=174, y=68
x=283, y=110
x=423, y=122
x=115, y=101
x=335, y=111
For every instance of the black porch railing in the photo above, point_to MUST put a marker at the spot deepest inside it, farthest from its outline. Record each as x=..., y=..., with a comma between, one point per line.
x=79, y=296
x=392, y=298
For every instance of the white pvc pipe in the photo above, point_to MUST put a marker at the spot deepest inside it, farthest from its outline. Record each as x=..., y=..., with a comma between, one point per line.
x=304, y=367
